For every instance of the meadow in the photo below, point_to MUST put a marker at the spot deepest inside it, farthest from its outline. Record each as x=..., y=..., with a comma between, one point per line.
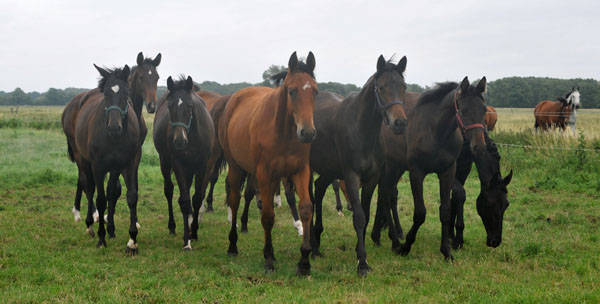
x=550, y=250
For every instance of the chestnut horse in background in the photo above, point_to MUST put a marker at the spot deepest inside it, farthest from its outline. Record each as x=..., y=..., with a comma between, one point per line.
x=267, y=132
x=550, y=114
x=491, y=117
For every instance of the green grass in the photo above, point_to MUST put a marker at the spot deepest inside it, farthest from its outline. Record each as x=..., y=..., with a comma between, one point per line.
x=550, y=251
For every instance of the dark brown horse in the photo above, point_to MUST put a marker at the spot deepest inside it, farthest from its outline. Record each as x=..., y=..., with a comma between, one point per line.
x=348, y=145
x=107, y=139
x=183, y=136
x=142, y=84
x=267, y=133
x=550, y=114
x=491, y=117
x=434, y=139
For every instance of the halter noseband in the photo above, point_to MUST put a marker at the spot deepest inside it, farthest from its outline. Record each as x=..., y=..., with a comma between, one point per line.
x=383, y=107
x=116, y=108
x=181, y=124
x=460, y=122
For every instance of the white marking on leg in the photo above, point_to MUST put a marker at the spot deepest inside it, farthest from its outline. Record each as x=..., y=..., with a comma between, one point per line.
x=76, y=214
x=298, y=225
x=180, y=102
x=190, y=219
x=278, y=200
x=340, y=213
x=115, y=88
x=306, y=86
x=89, y=231
x=229, y=214
x=131, y=244
x=202, y=211
x=189, y=245
x=96, y=216
x=137, y=225
x=106, y=218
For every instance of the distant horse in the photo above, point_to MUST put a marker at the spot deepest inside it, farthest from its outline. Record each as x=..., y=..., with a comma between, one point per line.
x=555, y=114
x=492, y=200
x=267, y=133
x=491, y=117
x=107, y=138
x=574, y=97
x=434, y=138
x=348, y=145
x=142, y=84
x=183, y=136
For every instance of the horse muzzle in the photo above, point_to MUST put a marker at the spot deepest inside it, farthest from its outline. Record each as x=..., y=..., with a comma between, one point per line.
x=399, y=126
x=180, y=143
x=114, y=130
x=150, y=107
x=306, y=135
x=493, y=242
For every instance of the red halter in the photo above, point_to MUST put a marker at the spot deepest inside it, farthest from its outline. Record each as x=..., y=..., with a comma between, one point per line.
x=460, y=122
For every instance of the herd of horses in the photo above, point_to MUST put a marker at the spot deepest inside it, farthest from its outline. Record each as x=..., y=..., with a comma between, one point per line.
x=267, y=136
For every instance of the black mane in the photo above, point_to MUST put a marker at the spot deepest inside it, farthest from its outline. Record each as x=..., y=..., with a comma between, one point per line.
x=300, y=67
x=102, y=81
x=438, y=93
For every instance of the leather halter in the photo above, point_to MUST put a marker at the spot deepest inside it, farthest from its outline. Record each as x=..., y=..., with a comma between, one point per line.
x=181, y=124
x=383, y=107
x=460, y=122
x=116, y=108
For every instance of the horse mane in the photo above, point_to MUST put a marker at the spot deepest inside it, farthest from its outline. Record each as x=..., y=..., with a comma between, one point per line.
x=300, y=67
x=438, y=93
x=102, y=81
x=562, y=100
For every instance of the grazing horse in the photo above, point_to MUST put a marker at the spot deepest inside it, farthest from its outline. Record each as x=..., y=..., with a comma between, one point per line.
x=107, y=139
x=142, y=84
x=267, y=133
x=183, y=136
x=348, y=145
x=434, y=138
x=491, y=117
x=555, y=113
x=492, y=200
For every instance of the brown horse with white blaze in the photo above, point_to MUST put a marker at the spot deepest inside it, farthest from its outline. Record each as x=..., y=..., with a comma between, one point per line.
x=267, y=133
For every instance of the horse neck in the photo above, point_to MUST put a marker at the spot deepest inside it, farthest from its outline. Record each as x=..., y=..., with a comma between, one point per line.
x=284, y=119
x=445, y=121
x=136, y=99
x=369, y=116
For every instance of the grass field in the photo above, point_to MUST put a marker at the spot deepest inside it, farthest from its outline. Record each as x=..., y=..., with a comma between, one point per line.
x=550, y=250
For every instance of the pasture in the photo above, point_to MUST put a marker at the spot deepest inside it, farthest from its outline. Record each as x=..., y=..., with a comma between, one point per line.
x=550, y=250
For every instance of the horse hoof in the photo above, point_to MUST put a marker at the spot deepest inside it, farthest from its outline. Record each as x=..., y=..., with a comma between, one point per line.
x=209, y=209
x=269, y=268
x=449, y=258
x=363, y=271
x=244, y=230
x=172, y=232
x=188, y=247
x=131, y=251
x=111, y=235
x=232, y=252
x=90, y=231
x=404, y=250
x=316, y=253
x=303, y=270
x=376, y=240
x=101, y=244
x=340, y=213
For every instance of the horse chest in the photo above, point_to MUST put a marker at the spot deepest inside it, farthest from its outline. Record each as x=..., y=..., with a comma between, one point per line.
x=284, y=166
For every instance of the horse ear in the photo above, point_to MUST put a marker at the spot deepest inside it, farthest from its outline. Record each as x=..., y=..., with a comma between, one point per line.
x=156, y=60
x=170, y=84
x=508, y=178
x=401, y=66
x=125, y=73
x=310, y=61
x=189, y=83
x=293, y=62
x=464, y=85
x=380, y=63
x=482, y=85
x=140, y=59
x=104, y=73
x=577, y=88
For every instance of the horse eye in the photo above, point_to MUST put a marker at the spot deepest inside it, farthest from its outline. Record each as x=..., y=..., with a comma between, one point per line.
x=316, y=92
x=293, y=93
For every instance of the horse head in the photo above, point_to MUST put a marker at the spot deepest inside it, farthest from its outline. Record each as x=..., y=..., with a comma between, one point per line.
x=301, y=89
x=181, y=108
x=113, y=84
x=470, y=112
x=390, y=89
x=573, y=98
x=144, y=80
x=491, y=204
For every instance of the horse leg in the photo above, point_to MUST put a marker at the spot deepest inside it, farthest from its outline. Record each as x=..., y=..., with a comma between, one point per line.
x=321, y=185
x=301, y=181
x=290, y=197
x=77, y=203
x=345, y=192
x=214, y=177
x=165, y=169
x=457, y=200
x=338, y=202
x=199, y=191
x=249, y=193
x=234, y=179
x=416, y=185
x=184, y=178
x=99, y=174
x=113, y=191
x=277, y=199
x=90, y=187
x=394, y=207
x=130, y=177
x=359, y=220
x=446, y=179
x=266, y=187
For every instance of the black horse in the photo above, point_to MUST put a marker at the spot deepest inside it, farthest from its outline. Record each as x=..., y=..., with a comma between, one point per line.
x=348, y=145
x=184, y=136
x=107, y=138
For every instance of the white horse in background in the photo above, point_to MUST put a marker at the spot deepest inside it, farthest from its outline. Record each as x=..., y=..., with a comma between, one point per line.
x=573, y=101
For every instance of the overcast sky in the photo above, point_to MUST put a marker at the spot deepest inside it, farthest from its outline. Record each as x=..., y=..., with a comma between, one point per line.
x=47, y=44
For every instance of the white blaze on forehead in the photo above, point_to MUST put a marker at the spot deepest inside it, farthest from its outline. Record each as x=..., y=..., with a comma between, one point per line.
x=180, y=102
x=115, y=88
x=306, y=86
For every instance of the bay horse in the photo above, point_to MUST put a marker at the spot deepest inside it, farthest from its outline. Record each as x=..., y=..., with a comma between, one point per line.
x=142, y=83
x=348, y=145
x=434, y=138
x=107, y=139
x=492, y=200
x=267, y=132
x=183, y=136
x=491, y=117
x=555, y=114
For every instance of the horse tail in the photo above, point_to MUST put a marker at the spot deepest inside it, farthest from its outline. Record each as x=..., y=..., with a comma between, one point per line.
x=536, y=125
x=70, y=152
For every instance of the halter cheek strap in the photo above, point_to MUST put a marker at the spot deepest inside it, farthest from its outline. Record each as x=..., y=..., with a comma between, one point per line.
x=460, y=122
x=383, y=107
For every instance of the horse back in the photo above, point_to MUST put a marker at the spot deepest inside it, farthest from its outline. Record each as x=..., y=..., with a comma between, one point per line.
x=210, y=98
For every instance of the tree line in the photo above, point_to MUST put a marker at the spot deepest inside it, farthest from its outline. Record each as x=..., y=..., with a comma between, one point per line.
x=518, y=92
